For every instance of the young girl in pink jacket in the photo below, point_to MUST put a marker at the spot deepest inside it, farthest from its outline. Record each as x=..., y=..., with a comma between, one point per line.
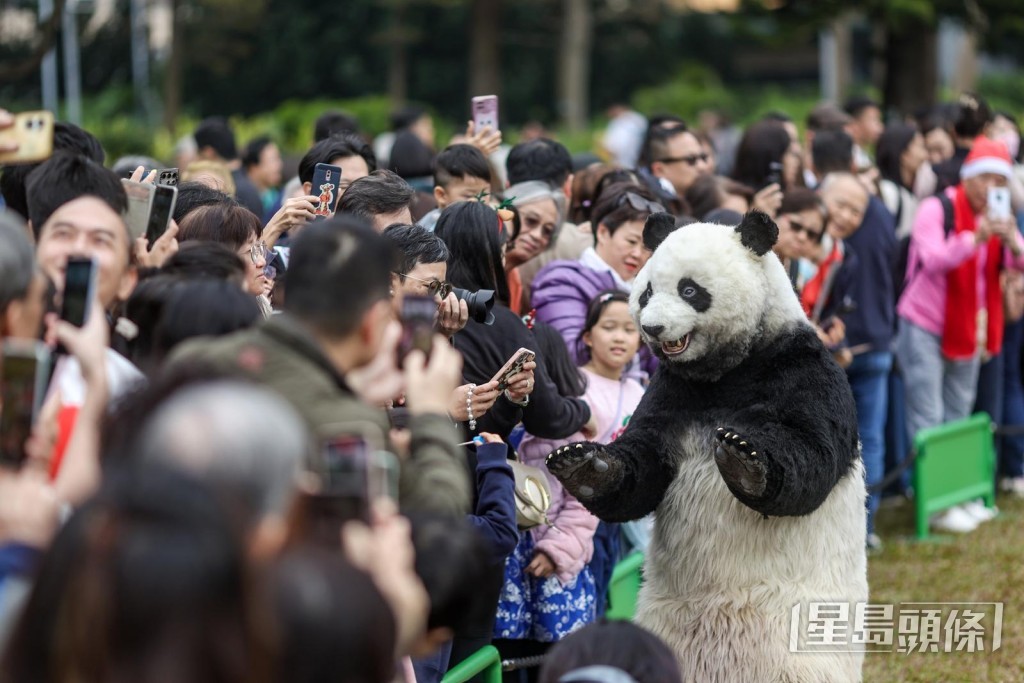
x=549, y=589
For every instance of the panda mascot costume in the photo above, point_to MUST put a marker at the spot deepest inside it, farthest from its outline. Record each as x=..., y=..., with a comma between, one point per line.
x=745, y=448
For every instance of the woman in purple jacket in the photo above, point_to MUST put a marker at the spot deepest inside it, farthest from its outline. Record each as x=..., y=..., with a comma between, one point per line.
x=563, y=290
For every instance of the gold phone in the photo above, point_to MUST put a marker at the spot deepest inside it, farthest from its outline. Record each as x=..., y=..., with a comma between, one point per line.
x=33, y=133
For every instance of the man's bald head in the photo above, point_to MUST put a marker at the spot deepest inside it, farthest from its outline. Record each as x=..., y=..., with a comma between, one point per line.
x=846, y=199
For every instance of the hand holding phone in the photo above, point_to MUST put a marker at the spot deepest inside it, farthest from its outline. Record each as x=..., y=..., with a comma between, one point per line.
x=28, y=139
x=24, y=373
x=999, y=203
x=326, y=179
x=419, y=314
x=485, y=112
x=513, y=367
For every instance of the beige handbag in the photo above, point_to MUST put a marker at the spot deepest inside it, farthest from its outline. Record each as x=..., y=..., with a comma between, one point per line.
x=533, y=495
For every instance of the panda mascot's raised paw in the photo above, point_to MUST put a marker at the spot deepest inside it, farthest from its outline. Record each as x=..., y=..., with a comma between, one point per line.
x=581, y=469
x=741, y=465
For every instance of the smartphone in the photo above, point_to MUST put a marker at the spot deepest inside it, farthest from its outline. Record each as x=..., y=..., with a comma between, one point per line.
x=999, y=203
x=167, y=176
x=140, y=200
x=774, y=174
x=33, y=133
x=24, y=372
x=513, y=367
x=399, y=417
x=79, y=288
x=164, y=198
x=419, y=314
x=485, y=112
x=325, y=186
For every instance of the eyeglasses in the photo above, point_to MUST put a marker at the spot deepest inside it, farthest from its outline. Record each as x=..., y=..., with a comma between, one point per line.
x=258, y=251
x=691, y=159
x=813, y=235
x=639, y=203
x=435, y=286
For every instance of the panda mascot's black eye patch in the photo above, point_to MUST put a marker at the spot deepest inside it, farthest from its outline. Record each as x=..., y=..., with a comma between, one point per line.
x=694, y=294
x=646, y=296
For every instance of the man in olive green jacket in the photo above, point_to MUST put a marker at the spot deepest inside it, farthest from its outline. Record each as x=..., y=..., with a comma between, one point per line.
x=338, y=327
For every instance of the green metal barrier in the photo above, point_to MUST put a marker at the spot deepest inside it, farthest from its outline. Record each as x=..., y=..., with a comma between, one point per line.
x=486, y=660
x=624, y=586
x=955, y=463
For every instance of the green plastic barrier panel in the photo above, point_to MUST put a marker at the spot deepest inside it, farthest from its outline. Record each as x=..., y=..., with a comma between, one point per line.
x=486, y=660
x=955, y=463
x=624, y=586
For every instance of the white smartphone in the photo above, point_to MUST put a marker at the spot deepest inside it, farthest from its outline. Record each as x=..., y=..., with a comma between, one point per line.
x=485, y=112
x=999, y=203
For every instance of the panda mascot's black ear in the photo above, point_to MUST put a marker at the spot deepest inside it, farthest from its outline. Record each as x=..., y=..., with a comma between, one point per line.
x=657, y=228
x=757, y=230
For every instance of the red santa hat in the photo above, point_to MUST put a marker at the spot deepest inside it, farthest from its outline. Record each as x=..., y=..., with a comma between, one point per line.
x=987, y=156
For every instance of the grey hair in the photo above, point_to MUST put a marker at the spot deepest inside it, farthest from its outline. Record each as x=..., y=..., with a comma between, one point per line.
x=244, y=440
x=531, y=191
x=17, y=262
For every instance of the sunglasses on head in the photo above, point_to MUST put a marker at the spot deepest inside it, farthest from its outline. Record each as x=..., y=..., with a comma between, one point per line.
x=639, y=203
x=435, y=286
x=690, y=159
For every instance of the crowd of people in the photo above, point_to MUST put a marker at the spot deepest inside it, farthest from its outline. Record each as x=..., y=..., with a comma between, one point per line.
x=245, y=467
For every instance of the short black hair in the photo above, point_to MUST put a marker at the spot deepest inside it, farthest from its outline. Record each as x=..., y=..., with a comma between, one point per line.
x=381, y=192
x=452, y=562
x=832, y=151
x=338, y=269
x=67, y=137
x=192, y=195
x=972, y=115
x=656, y=140
x=620, y=644
x=776, y=115
x=252, y=151
x=338, y=146
x=855, y=106
x=459, y=161
x=890, y=147
x=827, y=116
x=65, y=177
x=214, y=132
x=202, y=308
x=203, y=259
x=232, y=226
x=333, y=122
x=540, y=159
x=762, y=144
x=415, y=245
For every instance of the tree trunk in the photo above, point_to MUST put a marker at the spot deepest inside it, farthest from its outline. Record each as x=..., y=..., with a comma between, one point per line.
x=484, y=49
x=173, y=82
x=398, y=64
x=574, y=63
x=911, y=76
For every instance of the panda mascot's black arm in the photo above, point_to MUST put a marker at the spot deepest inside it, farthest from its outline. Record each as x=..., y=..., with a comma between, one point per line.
x=779, y=423
x=626, y=479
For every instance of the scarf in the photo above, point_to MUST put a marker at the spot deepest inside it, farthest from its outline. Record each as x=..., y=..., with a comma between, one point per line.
x=960, y=332
x=818, y=288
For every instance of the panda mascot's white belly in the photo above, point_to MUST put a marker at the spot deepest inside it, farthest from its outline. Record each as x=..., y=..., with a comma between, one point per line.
x=721, y=581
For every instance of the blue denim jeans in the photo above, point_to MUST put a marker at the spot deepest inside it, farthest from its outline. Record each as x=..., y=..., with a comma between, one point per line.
x=869, y=380
x=1011, y=448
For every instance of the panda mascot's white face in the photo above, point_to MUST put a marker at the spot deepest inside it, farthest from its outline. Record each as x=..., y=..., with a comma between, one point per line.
x=709, y=291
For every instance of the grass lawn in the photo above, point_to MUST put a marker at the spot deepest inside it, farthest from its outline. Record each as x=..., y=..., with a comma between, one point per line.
x=986, y=565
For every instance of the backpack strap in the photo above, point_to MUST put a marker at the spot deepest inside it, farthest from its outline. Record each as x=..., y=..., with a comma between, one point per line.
x=948, y=214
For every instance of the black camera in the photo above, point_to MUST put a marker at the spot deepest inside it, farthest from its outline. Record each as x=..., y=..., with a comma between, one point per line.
x=479, y=303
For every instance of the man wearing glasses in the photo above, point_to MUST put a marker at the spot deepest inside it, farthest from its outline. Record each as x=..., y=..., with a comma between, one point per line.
x=675, y=158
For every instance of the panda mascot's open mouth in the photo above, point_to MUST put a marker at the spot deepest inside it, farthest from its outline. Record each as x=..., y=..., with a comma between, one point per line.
x=674, y=348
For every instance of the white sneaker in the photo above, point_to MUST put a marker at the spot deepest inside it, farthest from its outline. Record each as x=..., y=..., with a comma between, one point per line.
x=1014, y=485
x=978, y=511
x=956, y=520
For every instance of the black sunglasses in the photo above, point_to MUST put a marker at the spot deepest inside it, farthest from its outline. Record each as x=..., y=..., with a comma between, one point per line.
x=639, y=203
x=812, y=235
x=691, y=159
